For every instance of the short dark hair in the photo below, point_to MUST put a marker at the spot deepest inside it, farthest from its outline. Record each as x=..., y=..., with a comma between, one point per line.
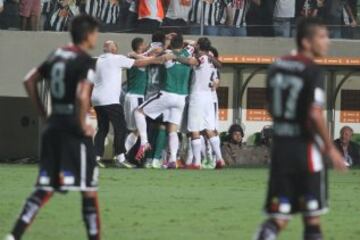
x=158, y=36
x=136, y=42
x=81, y=26
x=204, y=44
x=177, y=41
x=236, y=128
x=306, y=29
x=214, y=51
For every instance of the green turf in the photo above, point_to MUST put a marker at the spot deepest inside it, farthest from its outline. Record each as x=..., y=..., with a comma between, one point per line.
x=157, y=205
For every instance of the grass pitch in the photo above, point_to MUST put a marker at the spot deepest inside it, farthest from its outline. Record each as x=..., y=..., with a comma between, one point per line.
x=163, y=205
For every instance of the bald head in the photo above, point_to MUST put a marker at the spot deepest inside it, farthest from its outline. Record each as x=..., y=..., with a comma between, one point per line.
x=110, y=47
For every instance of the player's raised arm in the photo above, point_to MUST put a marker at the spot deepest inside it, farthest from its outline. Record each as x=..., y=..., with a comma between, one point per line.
x=153, y=60
x=83, y=93
x=192, y=61
x=30, y=83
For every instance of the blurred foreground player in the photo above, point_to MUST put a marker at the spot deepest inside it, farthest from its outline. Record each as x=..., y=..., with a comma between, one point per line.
x=296, y=99
x=67, y=160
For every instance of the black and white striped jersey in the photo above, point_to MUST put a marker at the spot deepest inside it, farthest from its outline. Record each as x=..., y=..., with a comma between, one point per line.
x=236, y=11
x=105, y=10
x=212, y=12
x=61, y=17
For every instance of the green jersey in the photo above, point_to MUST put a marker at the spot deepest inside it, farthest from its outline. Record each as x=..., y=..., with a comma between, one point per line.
x=177, y=75
x=136, y=80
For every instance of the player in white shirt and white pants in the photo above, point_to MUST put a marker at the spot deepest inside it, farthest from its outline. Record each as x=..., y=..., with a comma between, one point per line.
x=106, y=98
x=201, y=109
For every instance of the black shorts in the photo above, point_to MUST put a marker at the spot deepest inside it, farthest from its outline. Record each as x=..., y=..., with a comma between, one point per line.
x=67, y=162
x=298, y=189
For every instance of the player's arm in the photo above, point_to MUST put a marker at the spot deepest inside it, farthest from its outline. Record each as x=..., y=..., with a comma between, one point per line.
x=83, y=93
x=318, y=121
x=30, y=83
x=192, y=61
x=217, y=64
x=153, y=60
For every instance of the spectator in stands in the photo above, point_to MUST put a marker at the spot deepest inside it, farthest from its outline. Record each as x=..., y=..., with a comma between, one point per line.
x=48, y=7
x=151, y=14
x=212, y=14
x=65, y=11
x=283, y=17
x=348, y=28
x=29, y=11
x=333, y=10
x=306, y=8
x=259, y=18
x=231, y=148
x=177, y=16
x=235, y=18
x=349, y=149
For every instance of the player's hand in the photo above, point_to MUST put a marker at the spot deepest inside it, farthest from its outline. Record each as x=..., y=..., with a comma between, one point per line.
x=168, y=57
x=353, y=23
x=88, y=131
x=337, y=160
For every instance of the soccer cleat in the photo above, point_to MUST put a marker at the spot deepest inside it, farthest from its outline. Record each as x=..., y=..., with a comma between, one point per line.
x=125, y=164
x=156, y=164
x=148, y=163
x=170, y=165
x=99, y=163
x=9, y=237
x=193, y=167
x=142, y=150
x=220, y=164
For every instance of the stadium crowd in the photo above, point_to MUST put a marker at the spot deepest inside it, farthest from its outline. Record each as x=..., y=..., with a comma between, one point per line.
x=220, y=17
x=167, y=115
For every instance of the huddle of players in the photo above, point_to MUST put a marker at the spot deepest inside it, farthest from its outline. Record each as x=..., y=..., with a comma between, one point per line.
x=296, y=98
x=182, y=97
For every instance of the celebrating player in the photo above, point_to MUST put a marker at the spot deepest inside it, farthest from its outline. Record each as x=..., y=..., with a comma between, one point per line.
x=169, y=102
x=296, y=97
x=67, y=160
x=201, y=109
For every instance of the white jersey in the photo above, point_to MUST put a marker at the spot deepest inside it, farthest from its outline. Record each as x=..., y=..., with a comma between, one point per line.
x=202, y=76
x=107, y=86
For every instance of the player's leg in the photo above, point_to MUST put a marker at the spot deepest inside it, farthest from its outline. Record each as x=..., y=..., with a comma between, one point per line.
x=117, y=119
x=270, y=229
x=173, y=144
x=189, y=154
x=91, y=216
x=151, y=108
x=312, y=229
x=215, y=143
x=131, y=103
x=103, y=129
x=159, y=145
x=32, y=206
x=196, y=148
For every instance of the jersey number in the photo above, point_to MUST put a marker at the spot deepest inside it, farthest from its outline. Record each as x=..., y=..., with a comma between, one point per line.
x=57, y=80
x=279, y=84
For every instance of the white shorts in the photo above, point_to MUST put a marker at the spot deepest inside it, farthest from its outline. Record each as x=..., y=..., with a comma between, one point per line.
x=201, y=115
x=169, y=105
x=132, y=102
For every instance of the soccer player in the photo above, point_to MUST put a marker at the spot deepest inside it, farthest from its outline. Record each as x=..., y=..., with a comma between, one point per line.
x=136, y=86
x=67, y=159
x=201, y=108
x=169, y=102
x=296, y=99
x=106, y=98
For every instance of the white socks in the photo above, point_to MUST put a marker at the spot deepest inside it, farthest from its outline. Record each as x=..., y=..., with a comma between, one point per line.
x=120, y=158
x=173, y=146
x=203, y=146
x=130, y=141
x=189, y=155
x=196, y=147
x=141, y=126
x=215, y=145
